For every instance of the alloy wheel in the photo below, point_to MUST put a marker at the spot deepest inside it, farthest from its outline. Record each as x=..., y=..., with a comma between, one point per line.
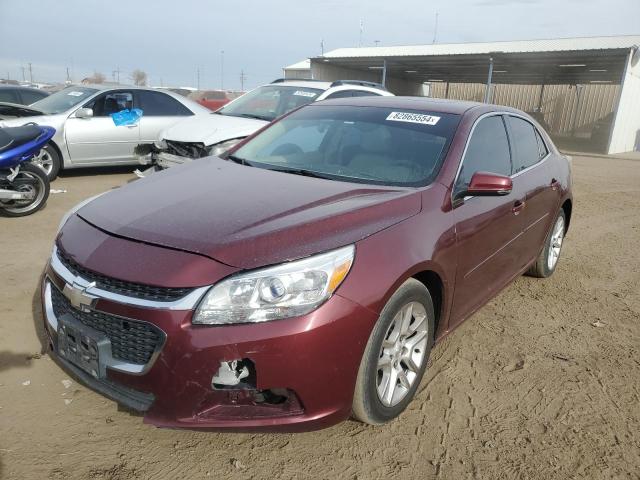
x=44, y=160
x=402, y=354
x=557, y=236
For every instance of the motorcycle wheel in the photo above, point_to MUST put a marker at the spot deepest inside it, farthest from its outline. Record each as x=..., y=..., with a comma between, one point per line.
x=38, y=183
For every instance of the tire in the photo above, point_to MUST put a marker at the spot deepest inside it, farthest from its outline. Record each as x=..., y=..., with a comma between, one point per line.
x=372, y=402
x=49, y=161
x=13, y=209
x=545, y=264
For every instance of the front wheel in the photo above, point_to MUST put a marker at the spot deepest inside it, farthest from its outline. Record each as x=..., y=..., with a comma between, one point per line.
x=33, y=181
x=547, y=261
x=396, y=355
x=49, y=161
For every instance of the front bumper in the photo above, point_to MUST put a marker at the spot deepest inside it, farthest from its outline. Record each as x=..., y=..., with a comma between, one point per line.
x=314, y=357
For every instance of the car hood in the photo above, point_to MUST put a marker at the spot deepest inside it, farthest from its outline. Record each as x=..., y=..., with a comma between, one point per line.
x=247, y=217
x=54, y=121
x=16, y=110
x=211, y=129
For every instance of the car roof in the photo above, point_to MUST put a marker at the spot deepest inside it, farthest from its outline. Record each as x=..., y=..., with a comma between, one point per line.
x=304, y=83
x=457, y=107
x=20, y=87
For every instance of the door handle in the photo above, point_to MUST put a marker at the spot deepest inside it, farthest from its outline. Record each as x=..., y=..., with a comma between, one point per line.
x=132, y=126
x=555, y=184
x=518, y=206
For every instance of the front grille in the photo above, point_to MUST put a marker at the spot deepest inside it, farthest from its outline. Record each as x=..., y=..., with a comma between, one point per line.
x=137, y=290
x=131, y=340
x=187, y=149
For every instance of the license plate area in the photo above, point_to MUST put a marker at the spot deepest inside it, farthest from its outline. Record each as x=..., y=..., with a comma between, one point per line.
x=83, y=346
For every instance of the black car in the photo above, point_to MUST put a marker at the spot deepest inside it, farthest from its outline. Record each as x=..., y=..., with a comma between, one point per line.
x=20, y=95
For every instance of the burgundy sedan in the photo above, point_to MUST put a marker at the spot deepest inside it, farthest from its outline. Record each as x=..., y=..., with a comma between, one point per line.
x=304, y=277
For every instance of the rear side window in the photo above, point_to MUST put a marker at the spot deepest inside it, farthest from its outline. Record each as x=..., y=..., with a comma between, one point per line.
x=542, y=147
x=525, y=144
x=488, y=151
x=352, y=93
x=158, y=104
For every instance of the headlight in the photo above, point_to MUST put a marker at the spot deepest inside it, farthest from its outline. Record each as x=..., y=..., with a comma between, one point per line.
x=287, y=290
x=219, y=148
x=160, y=144
x=67, y=215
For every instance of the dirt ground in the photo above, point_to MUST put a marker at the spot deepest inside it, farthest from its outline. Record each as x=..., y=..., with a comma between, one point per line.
x=544, y=382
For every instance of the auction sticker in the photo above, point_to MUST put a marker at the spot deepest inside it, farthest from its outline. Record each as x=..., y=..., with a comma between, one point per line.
x=300, y=93
x=75, y=94
x=413, y=118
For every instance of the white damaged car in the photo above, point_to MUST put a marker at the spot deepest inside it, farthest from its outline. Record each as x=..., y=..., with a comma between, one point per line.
x=217, y=132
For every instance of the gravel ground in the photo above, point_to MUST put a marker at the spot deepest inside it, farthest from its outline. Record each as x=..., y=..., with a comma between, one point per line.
x=544, y=382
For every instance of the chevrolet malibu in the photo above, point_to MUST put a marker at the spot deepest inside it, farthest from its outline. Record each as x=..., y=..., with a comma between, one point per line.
x=305, y=276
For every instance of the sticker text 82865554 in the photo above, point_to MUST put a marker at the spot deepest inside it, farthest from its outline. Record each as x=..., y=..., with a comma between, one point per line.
x=413, y=118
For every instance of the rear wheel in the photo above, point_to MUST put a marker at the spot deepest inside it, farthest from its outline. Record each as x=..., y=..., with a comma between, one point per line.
x=33, y=181
x=396, y=355
x=48, y=160
x=547, y=261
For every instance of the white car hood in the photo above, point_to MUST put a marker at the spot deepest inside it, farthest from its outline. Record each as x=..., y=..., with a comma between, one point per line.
x=211, y=129
x=55, y=121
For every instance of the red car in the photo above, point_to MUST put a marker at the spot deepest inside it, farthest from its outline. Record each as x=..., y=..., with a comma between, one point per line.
x=213, y=99
x=304, y=277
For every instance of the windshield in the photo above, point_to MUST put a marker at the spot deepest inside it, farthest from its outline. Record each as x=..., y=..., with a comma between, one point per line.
x=386, y=146
x=269, y=102
x=63, y=100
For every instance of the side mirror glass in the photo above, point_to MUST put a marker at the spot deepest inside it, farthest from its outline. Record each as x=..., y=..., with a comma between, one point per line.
x=84, y=113
x=489, y=184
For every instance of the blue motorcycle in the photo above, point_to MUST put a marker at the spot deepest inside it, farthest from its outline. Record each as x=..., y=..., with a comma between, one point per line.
x=24, y=187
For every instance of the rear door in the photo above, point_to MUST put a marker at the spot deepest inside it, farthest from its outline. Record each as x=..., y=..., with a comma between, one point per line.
x=536, y=176
x=488, y=229
x=159, y=111
x=97, y=140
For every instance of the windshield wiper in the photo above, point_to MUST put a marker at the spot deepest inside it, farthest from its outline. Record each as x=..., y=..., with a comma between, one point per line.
x=251, y=115
x=239, y=160
x=298, y=171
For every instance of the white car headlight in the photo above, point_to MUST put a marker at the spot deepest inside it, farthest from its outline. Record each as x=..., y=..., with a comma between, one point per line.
x=73, y=210
x=219, y=148
x=287, y=290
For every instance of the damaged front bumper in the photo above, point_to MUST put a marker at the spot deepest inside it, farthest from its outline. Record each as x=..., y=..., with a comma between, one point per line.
x=286, y=375
x=155, y=159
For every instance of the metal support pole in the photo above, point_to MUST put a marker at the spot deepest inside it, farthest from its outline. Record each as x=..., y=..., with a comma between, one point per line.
x=539, y=107
x=576, y=112
x=384, y=73
x=487, y=92
x=446, y=92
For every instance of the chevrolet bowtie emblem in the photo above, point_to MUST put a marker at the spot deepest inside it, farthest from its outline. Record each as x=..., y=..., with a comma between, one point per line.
x=78, y=297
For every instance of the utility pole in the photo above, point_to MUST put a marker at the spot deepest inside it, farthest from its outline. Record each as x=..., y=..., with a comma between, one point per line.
x=361, y=31
x=377, y=42
x=23, y=77
x=221, y=69
x=30, y=74
x=68, y=76
x=322, y=47
x=435, y=30
x=242, y=79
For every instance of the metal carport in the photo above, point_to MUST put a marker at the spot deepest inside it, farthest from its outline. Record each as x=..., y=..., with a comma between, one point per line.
x=581, y=88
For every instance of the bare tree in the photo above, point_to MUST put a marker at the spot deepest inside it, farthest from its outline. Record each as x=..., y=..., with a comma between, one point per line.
x=139, y=77
x=97, y=77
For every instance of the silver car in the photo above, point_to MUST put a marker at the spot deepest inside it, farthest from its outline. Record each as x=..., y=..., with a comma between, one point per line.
x=87, y=136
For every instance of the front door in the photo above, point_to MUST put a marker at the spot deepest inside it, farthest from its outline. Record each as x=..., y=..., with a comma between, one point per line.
x=488, y=229
x=97, y=140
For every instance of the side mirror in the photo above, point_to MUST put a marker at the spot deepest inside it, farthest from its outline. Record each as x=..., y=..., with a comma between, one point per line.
x=489, y=184
x=84, y=113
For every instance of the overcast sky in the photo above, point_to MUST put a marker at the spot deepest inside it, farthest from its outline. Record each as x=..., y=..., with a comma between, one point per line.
x=171, y=39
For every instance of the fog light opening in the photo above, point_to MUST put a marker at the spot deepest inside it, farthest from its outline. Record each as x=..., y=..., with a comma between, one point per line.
x=273, y=396
x=235, y=375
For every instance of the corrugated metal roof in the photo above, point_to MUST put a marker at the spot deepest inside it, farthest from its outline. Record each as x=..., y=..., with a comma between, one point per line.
x=520, y=46
x=303, y=65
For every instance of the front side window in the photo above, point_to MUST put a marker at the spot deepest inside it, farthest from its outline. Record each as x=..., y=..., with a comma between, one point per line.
x=488, y=151
x=64, y=99
x=270, y=102
x=29, y=96
x=525, y=144
x=110, y=103
x=372, y=145
x=158, y=104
